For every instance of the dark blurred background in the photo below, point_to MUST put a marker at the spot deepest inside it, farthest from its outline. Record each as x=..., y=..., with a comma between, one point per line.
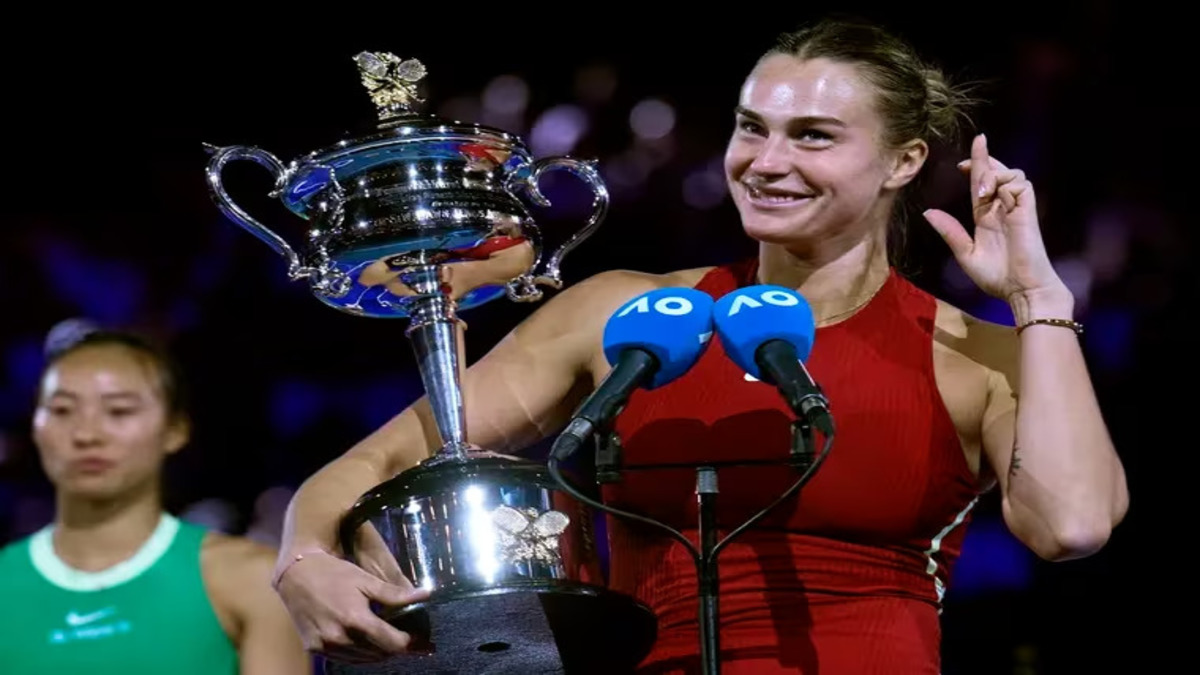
x=106, y=216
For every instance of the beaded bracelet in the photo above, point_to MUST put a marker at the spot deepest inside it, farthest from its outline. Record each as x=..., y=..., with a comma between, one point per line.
x=1061, y=323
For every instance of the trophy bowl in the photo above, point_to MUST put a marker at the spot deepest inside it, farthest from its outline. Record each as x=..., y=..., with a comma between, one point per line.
x=416, y=191
x=420, y=219
x=513, y=566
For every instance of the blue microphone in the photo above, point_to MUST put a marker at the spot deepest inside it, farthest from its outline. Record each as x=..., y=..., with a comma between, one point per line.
x=649, y=341
x=768, y=332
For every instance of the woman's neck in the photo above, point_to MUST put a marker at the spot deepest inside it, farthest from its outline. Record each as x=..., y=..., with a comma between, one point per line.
x=835, y=282
x=92, y=535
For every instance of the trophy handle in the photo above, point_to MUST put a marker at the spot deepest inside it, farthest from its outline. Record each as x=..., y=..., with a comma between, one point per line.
x=525, y=288
x=216, y=165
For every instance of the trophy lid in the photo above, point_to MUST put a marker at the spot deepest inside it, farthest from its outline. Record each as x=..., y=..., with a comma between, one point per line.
x=392, y=85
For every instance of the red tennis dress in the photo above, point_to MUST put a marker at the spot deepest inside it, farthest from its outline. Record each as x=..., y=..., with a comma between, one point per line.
x=846, y=578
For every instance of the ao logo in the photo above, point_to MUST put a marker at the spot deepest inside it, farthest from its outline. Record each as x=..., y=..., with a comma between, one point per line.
x=672, y=305
x=771, y=297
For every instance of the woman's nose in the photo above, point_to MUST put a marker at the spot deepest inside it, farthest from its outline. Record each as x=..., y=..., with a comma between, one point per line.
x=772, y=158
x=87, y=431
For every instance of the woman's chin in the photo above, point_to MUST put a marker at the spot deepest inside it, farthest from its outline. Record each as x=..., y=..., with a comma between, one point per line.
x=771, y=233
x=93, y=487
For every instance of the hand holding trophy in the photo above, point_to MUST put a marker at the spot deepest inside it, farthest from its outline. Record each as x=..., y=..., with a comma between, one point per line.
x=420, y=219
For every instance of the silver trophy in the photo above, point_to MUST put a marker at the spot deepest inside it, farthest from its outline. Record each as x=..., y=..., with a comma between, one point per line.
x=419, y=219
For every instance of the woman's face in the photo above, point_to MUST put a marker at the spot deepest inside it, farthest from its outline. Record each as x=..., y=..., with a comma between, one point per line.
x=101, y=425
x=806, y=160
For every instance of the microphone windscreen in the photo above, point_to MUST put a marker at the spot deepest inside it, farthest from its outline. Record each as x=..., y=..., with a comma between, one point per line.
x=674, y=324
x=751, y=316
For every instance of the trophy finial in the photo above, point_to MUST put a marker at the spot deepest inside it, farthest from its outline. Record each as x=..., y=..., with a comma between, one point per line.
x=392, y=82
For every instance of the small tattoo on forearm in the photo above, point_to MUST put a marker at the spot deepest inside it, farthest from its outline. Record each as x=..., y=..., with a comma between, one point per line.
x=1016, y=461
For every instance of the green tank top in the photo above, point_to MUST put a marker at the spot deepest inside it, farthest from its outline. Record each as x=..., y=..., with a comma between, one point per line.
x=148, y=614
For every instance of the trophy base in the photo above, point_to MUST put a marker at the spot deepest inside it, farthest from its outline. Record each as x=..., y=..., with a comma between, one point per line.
x=526, y=631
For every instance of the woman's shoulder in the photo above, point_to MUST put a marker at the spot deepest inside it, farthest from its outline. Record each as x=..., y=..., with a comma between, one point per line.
x=603, y=292
x=625, y=283
x=626, y=279
x=14, y=552
x=993, y=345
x=234, y=562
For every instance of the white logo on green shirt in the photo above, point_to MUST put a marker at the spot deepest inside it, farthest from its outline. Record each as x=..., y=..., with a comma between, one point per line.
x=89, y=626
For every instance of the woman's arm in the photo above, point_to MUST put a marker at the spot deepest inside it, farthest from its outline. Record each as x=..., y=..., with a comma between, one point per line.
x=1063, y=487
x=237, y=572
x=522, y=390
x=1062, y=484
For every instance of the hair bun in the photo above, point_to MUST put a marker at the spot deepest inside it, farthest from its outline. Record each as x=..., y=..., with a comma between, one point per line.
x=66, y=334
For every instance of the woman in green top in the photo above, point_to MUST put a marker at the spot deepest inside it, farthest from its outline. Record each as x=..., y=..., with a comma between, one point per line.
x=115, y=584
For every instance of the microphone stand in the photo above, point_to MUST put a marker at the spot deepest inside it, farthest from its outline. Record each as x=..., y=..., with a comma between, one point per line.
x=608, y=470
x=707, y=577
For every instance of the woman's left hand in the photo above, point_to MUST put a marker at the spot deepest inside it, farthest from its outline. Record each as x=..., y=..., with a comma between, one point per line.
x=1006, y=257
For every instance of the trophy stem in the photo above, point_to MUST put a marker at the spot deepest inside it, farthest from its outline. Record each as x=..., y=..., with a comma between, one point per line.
x=433, y=332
